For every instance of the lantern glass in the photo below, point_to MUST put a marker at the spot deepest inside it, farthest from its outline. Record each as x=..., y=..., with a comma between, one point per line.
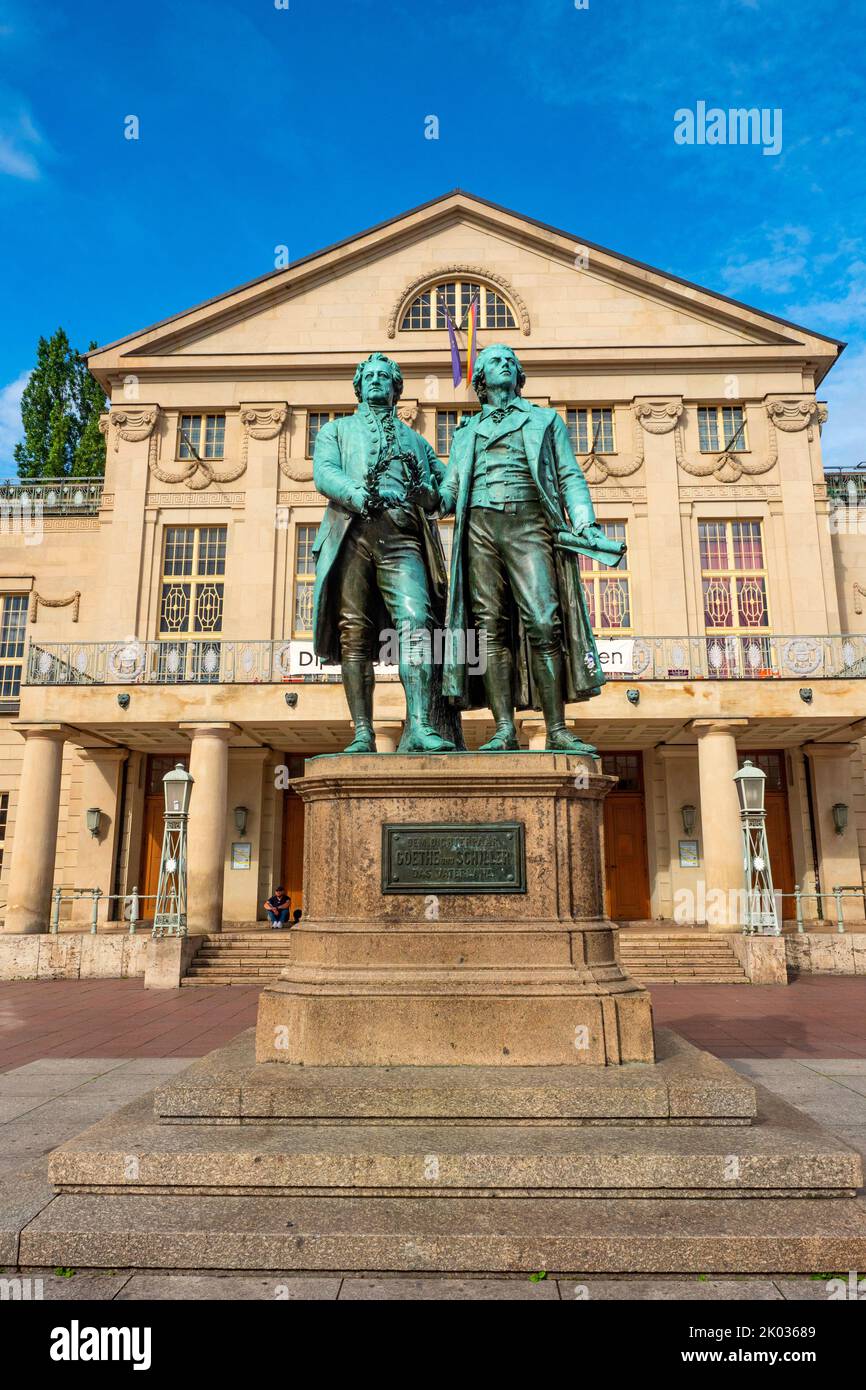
x=689, y=814
x=750, y=782
x=840, y=817
x=94, y=817
x=241, y=814
x=177, y=785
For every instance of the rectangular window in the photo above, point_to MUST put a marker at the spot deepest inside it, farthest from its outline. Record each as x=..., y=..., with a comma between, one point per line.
x=315, y=420
x=4, y=815
x=591, y=430
x=721, y=427
x=736, y=610
x=191, y=602
x=201, y=436
x=13, y=623
x=446, y=424
x=608, y=589
x=305, y=575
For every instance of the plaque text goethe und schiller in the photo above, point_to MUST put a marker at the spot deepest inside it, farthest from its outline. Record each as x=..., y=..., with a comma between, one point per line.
x=462, y=858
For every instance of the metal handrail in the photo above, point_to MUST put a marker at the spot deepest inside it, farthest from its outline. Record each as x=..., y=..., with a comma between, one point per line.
x=132, y=902
x=217, y=660
x=837, y=894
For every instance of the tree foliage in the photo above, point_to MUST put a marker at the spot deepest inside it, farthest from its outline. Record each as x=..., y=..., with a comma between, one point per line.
x=60, y=410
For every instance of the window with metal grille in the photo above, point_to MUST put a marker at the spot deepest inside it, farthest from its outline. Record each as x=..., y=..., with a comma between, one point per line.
x=733, y=575
x=608, y=588
x=628, y=767
x=13, y=622
x=431, y=308
x=446, y=423
x=191, y=602
x=736, y=610
x=201, y=436
x=590, y=429
x=721, y=427
x=305, y=576
x=315, y=420
x=4, y=816
x=771, y=763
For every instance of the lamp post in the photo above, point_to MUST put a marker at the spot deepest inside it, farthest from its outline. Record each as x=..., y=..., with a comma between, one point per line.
x=169, y=918
x=761, y=914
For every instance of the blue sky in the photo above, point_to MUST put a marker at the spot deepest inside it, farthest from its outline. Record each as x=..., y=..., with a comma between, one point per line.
x=262, y=126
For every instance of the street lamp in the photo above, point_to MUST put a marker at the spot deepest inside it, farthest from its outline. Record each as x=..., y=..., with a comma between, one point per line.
x=761, y=914
x=169, y=918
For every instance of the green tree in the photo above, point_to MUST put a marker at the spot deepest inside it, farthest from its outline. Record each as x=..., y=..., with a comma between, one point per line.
x=60, y=409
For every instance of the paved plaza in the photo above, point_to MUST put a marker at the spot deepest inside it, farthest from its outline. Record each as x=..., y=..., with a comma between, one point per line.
x=71, y=1052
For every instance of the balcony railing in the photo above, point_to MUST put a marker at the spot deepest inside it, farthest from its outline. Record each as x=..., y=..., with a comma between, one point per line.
x=847, y=485
x=231, y=662
x=56, y=496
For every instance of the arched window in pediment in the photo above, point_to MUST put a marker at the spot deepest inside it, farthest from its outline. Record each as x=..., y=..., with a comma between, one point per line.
x=431, y=307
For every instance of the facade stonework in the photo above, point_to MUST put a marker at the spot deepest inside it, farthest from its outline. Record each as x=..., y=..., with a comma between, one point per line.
x=158, y=608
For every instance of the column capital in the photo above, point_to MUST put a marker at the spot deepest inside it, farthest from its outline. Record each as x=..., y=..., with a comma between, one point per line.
x=829, y=750
x=60, y=732
x=718, y=726
x=252, y=755
x=209, y=726
x=100, y=753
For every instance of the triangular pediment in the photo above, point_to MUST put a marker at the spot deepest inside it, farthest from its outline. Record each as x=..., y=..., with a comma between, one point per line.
x=566, y=294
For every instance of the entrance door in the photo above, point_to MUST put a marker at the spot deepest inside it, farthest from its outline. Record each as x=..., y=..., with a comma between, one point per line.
x=625, y=851
x=778, y=825
x=292, y=863
x=153, y=824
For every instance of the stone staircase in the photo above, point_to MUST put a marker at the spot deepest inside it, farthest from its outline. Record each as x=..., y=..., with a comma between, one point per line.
x=680, y=958
x=245, y=954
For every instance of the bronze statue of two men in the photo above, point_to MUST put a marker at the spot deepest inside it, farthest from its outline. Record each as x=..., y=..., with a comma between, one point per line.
x=522, y=513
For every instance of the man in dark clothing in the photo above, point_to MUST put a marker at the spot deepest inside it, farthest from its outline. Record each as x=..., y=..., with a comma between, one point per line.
x=278, y=906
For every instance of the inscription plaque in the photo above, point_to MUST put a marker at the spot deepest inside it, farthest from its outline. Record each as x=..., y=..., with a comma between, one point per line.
x=465, y=858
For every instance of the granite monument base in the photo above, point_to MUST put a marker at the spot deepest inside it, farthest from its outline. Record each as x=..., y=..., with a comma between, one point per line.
x=454, y=916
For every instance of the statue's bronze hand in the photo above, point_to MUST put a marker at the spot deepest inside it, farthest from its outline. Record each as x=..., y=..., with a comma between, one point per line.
x=392, y=496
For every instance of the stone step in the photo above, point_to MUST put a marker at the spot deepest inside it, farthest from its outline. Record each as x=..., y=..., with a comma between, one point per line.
x=684, y=1085
x=784, y=1152
x=491, y=1235
x=190, y=980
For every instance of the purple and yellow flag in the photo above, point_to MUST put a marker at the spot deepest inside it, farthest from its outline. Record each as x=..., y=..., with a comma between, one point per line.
x=456, y=369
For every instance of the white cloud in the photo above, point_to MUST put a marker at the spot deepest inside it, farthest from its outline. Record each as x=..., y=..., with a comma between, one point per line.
x=20, y=144
x=843, y=441
x=10, y=419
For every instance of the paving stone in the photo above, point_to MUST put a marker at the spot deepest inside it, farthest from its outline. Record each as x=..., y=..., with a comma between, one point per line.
x=817, y=1290
x=670, y=1290
x=79, y=1287
x=24, y=1192
x=228, y=1288
x=449, y=1290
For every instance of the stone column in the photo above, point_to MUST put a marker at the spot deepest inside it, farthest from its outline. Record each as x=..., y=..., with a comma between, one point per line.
x=838, y=855
x=206, y=843
x=34, y=847
x=720, y=821
x=94, y=864
x=388, y=734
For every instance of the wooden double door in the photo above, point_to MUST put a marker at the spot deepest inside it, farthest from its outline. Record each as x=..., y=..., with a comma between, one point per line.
x=626, y=868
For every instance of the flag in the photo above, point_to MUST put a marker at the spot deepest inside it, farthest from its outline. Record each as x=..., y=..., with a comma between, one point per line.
x=456, y=369
x=471, y=339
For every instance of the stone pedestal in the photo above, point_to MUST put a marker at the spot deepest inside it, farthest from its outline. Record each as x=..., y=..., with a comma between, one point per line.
x=430, y=974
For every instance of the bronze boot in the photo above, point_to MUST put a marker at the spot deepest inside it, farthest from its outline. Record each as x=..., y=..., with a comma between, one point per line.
x=547, y=671
x=358, y=685
x=498, y=686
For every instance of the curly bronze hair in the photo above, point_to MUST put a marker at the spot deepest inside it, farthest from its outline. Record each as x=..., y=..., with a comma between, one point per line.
x=396, y=374
x=479, y=384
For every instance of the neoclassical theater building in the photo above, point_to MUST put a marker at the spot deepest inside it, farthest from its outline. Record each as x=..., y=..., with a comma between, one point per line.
x=162, y=615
